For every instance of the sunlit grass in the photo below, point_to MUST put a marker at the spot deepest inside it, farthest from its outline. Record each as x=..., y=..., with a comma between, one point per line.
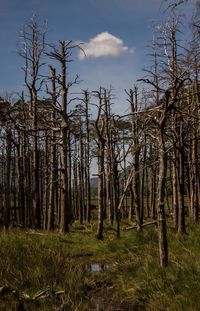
x=30, y=262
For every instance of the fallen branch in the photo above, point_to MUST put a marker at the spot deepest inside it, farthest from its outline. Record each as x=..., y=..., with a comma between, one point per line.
x=46, y=293
x=43, y=294
x=143, y=225
x=59, y=293
x=36, y=233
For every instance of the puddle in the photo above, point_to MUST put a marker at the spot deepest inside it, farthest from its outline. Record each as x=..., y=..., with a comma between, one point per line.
x=98, y=267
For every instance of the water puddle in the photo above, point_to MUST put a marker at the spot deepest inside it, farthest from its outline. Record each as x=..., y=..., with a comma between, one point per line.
x=98, y=267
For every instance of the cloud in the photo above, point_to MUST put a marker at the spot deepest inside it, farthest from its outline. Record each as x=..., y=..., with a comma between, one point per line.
x=104, y=44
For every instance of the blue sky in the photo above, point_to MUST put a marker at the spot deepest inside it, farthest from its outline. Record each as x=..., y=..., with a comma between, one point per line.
x=125, y=24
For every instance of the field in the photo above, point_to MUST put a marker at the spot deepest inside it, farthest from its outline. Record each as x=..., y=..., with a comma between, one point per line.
x=40, y=271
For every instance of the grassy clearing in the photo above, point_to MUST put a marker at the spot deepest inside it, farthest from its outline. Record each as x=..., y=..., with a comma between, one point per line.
x=132, y=279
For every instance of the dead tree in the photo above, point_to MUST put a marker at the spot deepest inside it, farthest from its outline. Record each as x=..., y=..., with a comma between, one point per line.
x=62, y=54
x=99, y=127
x=87, y=155
x=32, y=45
x=133, y=100
x=53, y=175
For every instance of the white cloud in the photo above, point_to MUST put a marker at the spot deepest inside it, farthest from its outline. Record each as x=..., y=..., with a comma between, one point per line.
x=104, y=44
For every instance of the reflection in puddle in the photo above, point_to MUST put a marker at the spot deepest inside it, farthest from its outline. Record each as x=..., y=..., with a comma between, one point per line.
x=97, y=267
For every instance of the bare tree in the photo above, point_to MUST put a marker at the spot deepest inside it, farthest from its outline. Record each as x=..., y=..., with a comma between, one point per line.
x=31, y=49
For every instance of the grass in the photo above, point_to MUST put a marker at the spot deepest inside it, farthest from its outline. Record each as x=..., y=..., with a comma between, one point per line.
x=133, y=279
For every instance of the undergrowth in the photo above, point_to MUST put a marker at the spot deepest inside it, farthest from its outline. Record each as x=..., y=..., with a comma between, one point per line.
x=129, y=276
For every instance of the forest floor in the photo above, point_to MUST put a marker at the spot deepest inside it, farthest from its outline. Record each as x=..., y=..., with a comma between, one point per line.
x=40, y=271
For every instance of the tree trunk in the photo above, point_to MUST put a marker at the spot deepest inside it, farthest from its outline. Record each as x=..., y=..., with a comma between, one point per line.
x=7, y=185
x=100, y=190
x=162, y=235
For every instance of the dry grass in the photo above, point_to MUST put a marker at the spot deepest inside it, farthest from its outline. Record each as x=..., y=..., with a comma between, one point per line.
x=30, y=263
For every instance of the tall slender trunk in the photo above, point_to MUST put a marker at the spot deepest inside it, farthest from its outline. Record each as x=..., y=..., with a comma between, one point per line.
x=87, y=158
x=21, y=180
x=53, y=175
x=100, y=190
x=174, y=190
x=7, y=182
x=162, y=235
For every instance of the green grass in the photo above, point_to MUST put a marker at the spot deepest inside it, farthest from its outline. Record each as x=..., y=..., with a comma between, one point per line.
x=31, y=262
